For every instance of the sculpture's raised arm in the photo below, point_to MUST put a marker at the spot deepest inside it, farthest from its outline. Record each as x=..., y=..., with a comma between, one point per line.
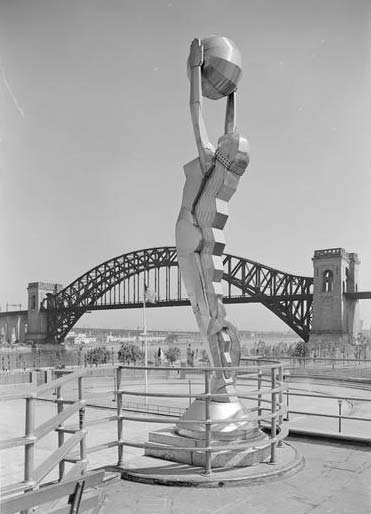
x=230, y=114
x=204, y=146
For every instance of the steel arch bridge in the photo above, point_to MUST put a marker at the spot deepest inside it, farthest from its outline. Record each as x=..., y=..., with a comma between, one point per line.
x=118, y=284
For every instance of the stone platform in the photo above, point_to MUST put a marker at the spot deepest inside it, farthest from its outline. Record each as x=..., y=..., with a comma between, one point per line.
x=239, y=453
x=335, y=480
x=152, y=470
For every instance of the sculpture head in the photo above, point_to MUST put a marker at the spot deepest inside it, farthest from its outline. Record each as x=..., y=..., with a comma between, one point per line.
x=221, y=69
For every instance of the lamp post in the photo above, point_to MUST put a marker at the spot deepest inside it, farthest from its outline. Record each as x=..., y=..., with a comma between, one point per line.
x=145, y=345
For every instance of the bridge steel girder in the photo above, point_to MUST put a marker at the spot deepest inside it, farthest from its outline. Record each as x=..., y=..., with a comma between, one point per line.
x=287, y=296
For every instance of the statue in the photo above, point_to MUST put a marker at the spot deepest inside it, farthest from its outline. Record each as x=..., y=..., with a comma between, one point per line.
x=214, y=68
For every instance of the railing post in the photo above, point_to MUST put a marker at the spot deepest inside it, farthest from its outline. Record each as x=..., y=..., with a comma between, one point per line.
x=273, y=419
x=280, y=400
x=29, y=449
x=120, y=421
x=60, y=407
x=208, y=423
x=287, y=400
x=114, y=385
x=82, y=420
x=259, y=395
x=340, y=404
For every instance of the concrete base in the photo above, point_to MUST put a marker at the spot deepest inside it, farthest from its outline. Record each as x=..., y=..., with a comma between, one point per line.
x=150, y=470
x=36, y=337
x=168, y=445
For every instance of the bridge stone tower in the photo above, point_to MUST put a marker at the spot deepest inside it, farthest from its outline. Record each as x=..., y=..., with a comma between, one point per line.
x=37, y=321
x=335, y=317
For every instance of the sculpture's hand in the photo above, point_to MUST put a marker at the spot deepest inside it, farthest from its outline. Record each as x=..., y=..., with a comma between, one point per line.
x=209, y=154
x=196, y=54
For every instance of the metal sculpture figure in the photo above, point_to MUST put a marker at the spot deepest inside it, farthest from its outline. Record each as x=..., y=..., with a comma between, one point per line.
x=214, y=67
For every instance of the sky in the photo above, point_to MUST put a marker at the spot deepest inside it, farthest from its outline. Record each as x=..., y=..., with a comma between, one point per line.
x=95, y=130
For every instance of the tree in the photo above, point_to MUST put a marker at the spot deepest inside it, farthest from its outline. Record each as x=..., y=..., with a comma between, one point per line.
x=171, y=339
x=130, y=353
x=260, y=350
x=172, y=354
x=301, y=350
x=99, y=355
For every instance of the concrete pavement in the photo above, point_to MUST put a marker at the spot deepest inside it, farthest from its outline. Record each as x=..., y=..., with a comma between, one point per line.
x=336, y=478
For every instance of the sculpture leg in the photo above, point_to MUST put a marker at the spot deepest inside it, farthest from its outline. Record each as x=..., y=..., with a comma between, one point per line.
x=200, y=245
x=212, y=213
x=188, y=239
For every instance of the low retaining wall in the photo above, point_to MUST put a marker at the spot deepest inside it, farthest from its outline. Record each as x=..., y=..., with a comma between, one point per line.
x=27, y=377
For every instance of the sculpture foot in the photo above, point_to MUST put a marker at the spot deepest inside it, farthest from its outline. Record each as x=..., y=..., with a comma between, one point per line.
x=191, y=424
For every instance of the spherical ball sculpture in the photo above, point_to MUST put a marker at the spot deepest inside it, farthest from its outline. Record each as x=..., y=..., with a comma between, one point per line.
x=221, y=69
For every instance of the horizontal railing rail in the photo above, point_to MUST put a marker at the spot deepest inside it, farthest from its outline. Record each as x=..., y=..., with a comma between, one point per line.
x=328, y=360
x=339, y=398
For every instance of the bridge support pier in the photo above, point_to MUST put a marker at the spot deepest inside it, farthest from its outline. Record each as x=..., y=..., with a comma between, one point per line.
x=335, y=315
x=37, y=322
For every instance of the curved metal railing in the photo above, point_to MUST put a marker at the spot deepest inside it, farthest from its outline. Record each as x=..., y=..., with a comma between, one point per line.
x=268, y=412
x=269, y=390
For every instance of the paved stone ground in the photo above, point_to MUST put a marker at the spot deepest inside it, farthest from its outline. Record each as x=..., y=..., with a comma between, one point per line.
x=335, y=479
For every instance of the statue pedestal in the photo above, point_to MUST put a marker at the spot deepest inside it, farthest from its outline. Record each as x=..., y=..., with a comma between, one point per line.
x=238, y=436
x=240, y=453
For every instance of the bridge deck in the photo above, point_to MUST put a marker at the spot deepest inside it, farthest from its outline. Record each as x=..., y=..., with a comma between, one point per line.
x=359, y=295
x=182, y=302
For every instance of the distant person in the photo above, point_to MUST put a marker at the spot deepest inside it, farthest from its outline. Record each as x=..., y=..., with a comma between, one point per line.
x=190, y=356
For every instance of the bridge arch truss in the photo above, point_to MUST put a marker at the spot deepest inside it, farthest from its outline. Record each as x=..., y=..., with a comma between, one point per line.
x=118, y=284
